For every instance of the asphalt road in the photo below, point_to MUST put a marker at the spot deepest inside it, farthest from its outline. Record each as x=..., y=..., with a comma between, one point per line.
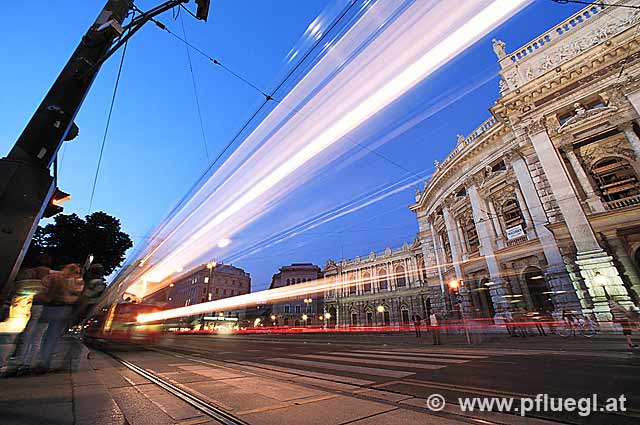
x=404, y=372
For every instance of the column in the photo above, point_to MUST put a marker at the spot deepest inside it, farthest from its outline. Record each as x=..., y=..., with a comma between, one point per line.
x=596, y=267
x=453, y=241
x=461, y=238
x=556, y=273
x=437, y=250
x=496, y=224
x=622, y=255
x=592, y=198
x=634, y=99
x=525, y=211
x=487, y=247
x=632, y=137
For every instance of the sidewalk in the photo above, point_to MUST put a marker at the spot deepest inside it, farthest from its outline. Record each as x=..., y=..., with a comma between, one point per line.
x=73, y=395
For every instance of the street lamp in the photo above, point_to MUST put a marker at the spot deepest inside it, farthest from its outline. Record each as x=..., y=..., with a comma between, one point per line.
x=273, y=319
x=380, y=309
x=305, y=317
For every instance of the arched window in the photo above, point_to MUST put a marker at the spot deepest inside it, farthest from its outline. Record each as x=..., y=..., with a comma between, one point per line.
x=382, y=279
x=351, y=281
x=366, y=279
x=617, y=182
x=288, y=282
x=472, y=236
x=512, y=215
x=400, y=279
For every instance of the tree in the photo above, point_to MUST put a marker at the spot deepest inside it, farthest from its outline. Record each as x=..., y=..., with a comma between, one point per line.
x=70, y=239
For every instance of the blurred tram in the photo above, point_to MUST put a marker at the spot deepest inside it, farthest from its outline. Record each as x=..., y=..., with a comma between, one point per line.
x=118, y=325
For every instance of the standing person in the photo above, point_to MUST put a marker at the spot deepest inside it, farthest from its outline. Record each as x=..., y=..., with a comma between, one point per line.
x=62, y=289
x=624, y=318
x=435, y=330
x=417, y=320
x=569, y=319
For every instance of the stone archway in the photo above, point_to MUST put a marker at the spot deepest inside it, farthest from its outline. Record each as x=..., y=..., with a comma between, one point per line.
x=538, y=288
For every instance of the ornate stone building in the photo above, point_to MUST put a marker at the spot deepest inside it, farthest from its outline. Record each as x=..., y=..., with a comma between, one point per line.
x=539, y=207
x=381, y=288
x=298, y=311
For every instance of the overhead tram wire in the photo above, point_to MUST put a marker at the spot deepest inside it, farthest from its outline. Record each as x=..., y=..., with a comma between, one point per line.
x=268, y=97
x=596, y=3
x=106, y=129
x=195, y=91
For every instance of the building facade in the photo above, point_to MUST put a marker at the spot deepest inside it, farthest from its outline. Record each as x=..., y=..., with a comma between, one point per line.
x=201, y=284
x=383, y=288
x=539, y=207
x=304, y=310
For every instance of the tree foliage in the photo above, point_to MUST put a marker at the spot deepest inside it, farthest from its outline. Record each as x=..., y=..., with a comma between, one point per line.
x=70, y=239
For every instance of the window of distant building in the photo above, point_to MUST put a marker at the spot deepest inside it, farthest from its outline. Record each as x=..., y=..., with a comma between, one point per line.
x=224, y=292
x=382, y=279
x=287, y=309
x=401, y=281
x=206, y=279
x=351, y=281
x=298, y=309
x=288, y=282
x=366, y=279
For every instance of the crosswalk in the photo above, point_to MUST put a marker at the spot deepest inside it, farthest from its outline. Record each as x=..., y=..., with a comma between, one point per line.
x=369, y=364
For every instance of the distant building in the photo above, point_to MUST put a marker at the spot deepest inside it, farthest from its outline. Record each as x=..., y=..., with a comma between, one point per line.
x=203, y=284
x=292, y=311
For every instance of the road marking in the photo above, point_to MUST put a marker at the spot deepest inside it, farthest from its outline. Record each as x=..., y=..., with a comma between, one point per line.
x=371, y=361
x=424, y=354
x=346, y=368
x=299, y=372
x=406, y=358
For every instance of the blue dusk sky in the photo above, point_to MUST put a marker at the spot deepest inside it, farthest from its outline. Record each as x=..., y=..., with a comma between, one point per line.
x=154, y=151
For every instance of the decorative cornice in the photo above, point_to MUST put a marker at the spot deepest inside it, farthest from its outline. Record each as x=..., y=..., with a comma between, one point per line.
x=584, y=115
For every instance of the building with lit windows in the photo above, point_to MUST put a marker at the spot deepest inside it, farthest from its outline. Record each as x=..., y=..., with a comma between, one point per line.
x=206, y=282
x=539, y=207
x=304, y=310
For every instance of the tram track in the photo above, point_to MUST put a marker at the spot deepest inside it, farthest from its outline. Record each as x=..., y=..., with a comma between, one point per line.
x=217, y=414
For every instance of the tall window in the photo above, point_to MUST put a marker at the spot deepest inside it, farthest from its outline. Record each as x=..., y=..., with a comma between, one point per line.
x=446, y=247
x=351, y=281
x=512, y=214
x=366, y=278
x=616, y=180
x=382, y=279
x=472, y=236
x=401, y=281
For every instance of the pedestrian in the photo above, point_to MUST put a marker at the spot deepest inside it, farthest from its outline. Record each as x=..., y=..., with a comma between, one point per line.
x=569, y=319
x=417, y=320
x=538, y=318
x=625, y=319
x=435, y=329
x=62, y=291
x=508, y=322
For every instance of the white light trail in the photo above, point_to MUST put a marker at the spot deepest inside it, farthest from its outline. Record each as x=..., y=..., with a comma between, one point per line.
x=307, y=128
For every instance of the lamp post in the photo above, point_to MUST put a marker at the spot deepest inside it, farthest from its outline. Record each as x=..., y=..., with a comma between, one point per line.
x=273, y=320
x=380, y=309
x=454, y=286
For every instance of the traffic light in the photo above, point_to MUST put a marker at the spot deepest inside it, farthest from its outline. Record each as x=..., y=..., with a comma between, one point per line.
x=203, y=9
x=53, y=207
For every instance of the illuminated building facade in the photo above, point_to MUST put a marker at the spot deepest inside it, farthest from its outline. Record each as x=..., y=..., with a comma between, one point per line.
x=539, y=207
x=304, y=310
x=201, y=284
x=383, y=288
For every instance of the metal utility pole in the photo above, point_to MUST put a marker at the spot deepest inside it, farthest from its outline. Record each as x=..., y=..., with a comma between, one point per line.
x=26, y=185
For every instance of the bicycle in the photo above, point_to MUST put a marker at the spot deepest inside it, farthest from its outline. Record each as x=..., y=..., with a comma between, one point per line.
x=584, y=326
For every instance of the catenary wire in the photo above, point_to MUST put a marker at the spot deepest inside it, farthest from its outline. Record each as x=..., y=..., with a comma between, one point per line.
x=195, y=91
x=106, y=129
